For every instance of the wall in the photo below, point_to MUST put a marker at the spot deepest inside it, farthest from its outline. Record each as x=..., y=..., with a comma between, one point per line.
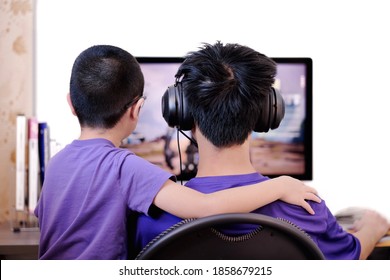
x=346, y=40
x=16, y=85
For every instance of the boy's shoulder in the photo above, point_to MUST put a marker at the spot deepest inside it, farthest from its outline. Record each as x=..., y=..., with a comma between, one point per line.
x=91, y=148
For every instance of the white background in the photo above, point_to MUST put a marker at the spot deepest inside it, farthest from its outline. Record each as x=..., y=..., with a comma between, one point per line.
x=201, y=269
x=347, y=40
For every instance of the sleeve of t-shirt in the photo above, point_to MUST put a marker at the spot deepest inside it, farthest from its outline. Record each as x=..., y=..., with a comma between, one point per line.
x=323, y=228
x=339, y=243
x=140, y=181
x=334, y=241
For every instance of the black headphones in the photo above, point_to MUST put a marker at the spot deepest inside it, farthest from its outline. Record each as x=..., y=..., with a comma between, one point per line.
x=176, y=113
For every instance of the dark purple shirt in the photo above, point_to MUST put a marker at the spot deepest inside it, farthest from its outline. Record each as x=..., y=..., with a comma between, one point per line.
x=322, y=227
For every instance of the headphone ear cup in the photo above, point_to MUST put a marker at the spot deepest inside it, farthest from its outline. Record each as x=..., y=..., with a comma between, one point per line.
x=272, y=112
x=168, y=106
x=279, y=109
x=175, y=109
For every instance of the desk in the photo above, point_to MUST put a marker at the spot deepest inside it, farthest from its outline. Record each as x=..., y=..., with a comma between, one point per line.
x=385, y=241
x=382, y=249
x=21, y=245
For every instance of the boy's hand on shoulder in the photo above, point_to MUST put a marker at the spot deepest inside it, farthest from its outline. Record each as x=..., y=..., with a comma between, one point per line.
x=295, y=192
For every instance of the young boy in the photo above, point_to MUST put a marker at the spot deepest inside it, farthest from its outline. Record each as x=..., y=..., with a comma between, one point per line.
x=226, y=88
x=92, y=185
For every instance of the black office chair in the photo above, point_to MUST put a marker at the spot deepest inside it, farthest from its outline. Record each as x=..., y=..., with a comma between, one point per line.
x=199, y=239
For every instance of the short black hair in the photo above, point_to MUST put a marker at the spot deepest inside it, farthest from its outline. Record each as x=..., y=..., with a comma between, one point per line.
x=225, y=86
x=104, y=81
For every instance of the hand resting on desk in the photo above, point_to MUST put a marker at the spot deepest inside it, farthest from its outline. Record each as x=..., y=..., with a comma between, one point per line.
x=369, y=226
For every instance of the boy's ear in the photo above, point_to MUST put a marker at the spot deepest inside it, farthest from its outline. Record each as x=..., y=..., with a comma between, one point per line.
x=135, y=109
x=194, y=132
x=70, y=104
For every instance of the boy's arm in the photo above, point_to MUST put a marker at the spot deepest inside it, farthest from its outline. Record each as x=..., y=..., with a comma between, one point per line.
x=188, y=203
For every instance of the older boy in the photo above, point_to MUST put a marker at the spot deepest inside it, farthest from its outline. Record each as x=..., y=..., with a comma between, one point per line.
x=227, y=87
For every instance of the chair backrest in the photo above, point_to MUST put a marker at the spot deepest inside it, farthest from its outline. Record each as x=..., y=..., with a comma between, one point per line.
x=200, y=239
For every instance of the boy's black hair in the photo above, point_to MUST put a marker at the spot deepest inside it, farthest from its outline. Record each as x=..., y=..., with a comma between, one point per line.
x=225, y=87
x=105, y=80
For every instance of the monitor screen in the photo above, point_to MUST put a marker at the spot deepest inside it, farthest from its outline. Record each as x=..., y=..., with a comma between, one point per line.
x=286, y=150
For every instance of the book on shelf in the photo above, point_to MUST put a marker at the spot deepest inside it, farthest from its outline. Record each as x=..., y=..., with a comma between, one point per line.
x=44, y=149
x=32, y=156
x=33, y=164
x=21, y=138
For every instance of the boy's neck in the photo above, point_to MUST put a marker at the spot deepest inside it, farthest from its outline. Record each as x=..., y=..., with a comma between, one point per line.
x=109, y=134
x=223, y=161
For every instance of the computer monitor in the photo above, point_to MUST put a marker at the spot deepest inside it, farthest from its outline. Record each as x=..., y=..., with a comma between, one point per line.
x=286, y=150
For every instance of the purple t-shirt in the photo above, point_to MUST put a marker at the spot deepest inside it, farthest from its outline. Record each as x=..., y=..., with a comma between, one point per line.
x=90, y=187
x=323, y=228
